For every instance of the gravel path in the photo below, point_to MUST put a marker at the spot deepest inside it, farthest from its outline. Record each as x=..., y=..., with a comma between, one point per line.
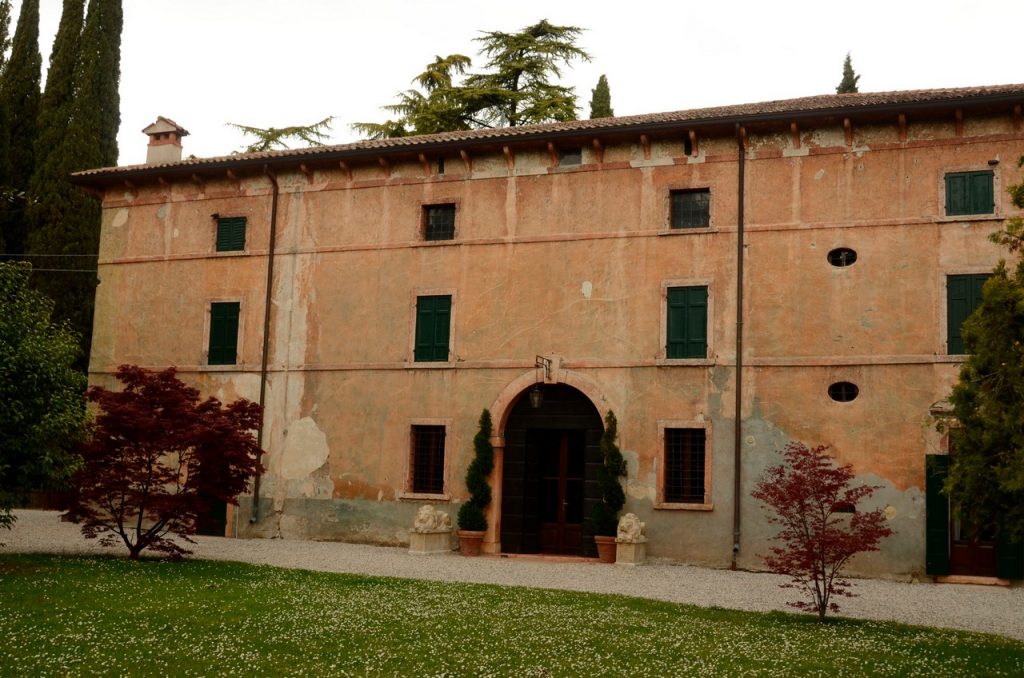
x=992, y=609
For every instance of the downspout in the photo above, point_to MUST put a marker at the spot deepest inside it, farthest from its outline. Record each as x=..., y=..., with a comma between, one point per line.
x=738, y=423
x=266, y=343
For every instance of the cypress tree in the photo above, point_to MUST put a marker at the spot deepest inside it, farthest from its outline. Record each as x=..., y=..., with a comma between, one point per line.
x=72, y=226
x=19, y=99
x=51, y=193
x=601, y=100
x=5, y=42
x=848, y=85
x=5, y=36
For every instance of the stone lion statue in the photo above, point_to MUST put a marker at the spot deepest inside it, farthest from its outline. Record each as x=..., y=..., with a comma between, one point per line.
x=429, y=519
x=631, y=530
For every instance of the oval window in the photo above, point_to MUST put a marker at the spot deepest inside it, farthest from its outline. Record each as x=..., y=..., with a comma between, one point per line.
x=843, y=391
x=842, y=256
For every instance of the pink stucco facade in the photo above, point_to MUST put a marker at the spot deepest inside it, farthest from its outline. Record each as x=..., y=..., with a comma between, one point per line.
x=573, y=263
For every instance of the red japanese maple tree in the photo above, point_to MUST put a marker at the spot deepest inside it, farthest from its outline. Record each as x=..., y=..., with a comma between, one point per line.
x=821, y=528
x=158, y=457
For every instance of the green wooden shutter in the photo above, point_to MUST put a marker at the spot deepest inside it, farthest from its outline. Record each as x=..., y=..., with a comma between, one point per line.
x=963, y=295
x=956, y=193
x=223, y=333
x=231, y=234
x=969, y=193
x=687, y=322
x=979, y=192
x=936, y=508
x=433, y=322
x=1009, y=556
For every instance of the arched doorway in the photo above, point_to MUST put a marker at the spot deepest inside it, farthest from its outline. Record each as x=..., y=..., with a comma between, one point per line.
x=549, y=481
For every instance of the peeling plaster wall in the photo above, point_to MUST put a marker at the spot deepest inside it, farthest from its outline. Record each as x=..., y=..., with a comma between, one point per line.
x=570, y=262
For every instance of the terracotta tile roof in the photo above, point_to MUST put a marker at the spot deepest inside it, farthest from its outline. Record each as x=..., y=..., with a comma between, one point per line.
x=826, y=104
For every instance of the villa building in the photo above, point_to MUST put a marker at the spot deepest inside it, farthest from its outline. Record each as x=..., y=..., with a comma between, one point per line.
x=725, y=280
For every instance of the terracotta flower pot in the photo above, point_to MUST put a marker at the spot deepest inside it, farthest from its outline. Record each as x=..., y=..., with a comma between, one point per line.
x=605, y=548
x=469, y=542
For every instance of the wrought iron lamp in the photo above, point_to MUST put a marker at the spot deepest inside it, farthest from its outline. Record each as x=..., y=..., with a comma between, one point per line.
x=536, y=393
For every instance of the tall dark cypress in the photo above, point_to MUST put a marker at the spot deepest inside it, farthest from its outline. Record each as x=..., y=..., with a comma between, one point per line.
x=51, y=194
x=601, y=100
x=19, y=94
x=848, y=85
x=5, y=35
x=90, y=140
x=5, y=42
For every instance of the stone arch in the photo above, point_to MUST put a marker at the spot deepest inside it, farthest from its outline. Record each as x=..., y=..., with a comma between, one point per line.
x=502, y=408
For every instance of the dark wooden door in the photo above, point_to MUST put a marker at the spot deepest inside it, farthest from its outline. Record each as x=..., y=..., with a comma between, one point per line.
x=562, y=456
x=971, y=552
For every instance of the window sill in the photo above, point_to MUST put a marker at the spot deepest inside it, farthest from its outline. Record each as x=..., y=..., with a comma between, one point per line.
x=435, y=243
x=430, y=365
x=423, y=496
x=684, y=362
x=948, y=218
x=670, y=506
x=234, y=367
x=690, y=230
x=952, y=358
x=230, y=253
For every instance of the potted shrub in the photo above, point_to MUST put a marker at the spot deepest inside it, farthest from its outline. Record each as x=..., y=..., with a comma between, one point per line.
x=471, y=518
x=605, y=515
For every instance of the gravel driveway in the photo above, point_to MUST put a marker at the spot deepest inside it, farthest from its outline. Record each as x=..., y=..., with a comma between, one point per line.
x=992, y=609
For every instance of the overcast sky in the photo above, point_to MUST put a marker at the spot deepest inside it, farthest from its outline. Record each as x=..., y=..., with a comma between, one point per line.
x=265, y=63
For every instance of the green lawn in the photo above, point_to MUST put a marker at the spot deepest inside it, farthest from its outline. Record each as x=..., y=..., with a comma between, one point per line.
x=110, y=616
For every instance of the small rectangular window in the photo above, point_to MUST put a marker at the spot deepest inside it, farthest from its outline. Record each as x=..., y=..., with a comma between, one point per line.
x=570, y=156
x=963, y=295
x=687, y=322
x=427, y=461
x=439, y=222
x=440, y=164
x=969, y=193
x=684, y=466
x=223, y=348
x=690, y=209
x=433, y=327
x=230, y=234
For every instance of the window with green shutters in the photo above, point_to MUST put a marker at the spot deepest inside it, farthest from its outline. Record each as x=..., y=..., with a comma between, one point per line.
x=433, y=327
x=687, y=323
x=230, y=234
x=969, y=193
x=223, y=333
x=963, y=295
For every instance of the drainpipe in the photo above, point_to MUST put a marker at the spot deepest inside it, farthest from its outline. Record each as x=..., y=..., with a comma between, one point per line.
x=266, y=342
x=738, y=424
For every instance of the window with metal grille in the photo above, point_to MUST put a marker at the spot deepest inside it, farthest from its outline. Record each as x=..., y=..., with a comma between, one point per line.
x=223, y=346
x=230, y=234
x=428, y=459
x=684, y=465
x=439, y=222
x=570, y=156
x=687, y=322
x=843, y=391
x=433, y=328
x=969, y=193
x=963, y=295
x=690, y=209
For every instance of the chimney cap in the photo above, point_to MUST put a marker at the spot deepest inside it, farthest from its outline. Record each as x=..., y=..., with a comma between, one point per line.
x=164, y=125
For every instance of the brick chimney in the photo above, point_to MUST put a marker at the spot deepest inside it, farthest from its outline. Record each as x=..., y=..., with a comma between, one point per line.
x=164, y=141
